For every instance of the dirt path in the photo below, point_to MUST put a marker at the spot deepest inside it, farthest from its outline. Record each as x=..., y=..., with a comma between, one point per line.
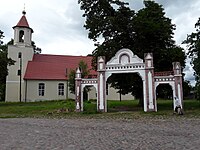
x=99, y=134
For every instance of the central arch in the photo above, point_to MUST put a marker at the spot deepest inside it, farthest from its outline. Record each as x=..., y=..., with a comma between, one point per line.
x=121, y=86
x=125, y=61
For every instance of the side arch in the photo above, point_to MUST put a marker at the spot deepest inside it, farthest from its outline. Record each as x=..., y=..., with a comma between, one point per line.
x=172, y=84
x=82, y=90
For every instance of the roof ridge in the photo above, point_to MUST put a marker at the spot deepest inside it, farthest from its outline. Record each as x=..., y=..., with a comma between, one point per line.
x=62, y=55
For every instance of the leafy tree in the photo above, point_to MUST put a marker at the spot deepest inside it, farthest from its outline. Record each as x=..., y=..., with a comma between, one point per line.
x=197, y=90
x=113, y=25
x=105, y=21
x=83, y=68
x=4, y=61
x=193, y=43
x=84, y=73
x=186, y=88
x=126, y=86
x=37, y=50
x=164, y=91
x=72, y=81
x=154, y=33
x=1, y=37
x=148, y=30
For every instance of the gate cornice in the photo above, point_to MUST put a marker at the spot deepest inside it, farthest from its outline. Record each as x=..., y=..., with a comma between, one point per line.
x=125, y=61
x=123, y=57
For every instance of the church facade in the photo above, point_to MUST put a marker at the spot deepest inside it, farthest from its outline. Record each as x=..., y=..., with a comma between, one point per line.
x=38, y=77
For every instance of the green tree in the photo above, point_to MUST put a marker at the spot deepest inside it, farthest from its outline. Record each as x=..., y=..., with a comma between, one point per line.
x=4, y=61
x=84, y=73
x=186, y=88
x=126, y=86
x=110, y=20
x=1, y=37
x=154, y=33
x=148, y=30
x=71, y=81
x=193, y=43
x=37, y=50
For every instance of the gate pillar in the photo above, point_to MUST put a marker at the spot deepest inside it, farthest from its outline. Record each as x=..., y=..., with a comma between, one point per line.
x=78, y=94
x=102, y=104
x=149, y=96
x=178, y=94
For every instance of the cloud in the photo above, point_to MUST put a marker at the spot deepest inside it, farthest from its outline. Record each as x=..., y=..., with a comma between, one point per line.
x=189, y=73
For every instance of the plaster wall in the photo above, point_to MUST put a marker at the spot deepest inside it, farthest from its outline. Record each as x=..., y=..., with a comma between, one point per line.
x=51, y=90
x=13, y=80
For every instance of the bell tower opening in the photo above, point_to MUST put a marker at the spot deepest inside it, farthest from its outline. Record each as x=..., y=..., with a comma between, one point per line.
x=21, y=36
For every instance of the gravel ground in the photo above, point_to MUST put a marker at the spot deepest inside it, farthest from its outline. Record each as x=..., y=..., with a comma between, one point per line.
x=99, y=134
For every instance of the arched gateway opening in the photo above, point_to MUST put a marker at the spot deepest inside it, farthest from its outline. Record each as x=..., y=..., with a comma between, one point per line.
x=125, y=62
x=164, y=96
x=123, y=92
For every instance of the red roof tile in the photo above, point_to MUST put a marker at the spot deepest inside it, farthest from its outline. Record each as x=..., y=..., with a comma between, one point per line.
x=53, y=67
x=23, y=22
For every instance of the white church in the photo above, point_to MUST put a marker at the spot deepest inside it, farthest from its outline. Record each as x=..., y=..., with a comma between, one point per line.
x=38, y=77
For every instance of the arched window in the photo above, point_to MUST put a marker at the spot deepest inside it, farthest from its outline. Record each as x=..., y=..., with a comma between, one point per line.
x=21, y=36
x=41, y=89
x=61, y=89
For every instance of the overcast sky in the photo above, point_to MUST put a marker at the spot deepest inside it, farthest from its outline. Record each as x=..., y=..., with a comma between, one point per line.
x=58, y=24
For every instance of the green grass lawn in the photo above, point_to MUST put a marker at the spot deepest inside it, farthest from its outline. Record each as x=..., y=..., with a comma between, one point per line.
x=116, y=109
x=35, y=109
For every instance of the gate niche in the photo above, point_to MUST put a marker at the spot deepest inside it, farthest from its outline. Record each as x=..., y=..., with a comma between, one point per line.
x=125, y=61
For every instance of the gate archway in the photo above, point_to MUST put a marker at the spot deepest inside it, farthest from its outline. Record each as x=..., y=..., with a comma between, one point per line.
x=125, y=61
x=127, y=88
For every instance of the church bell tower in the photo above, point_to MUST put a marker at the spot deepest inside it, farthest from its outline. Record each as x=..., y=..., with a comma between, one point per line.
x=22, y=32
x=21, y=51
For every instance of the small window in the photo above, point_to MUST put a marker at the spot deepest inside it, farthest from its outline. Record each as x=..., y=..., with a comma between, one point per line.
x=61, y=89
x=41, y=89
x=20, y=55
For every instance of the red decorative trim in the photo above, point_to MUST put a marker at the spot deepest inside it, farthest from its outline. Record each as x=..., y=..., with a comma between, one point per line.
x=164, y=73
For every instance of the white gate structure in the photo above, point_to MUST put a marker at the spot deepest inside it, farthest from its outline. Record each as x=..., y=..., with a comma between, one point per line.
x=125, y=61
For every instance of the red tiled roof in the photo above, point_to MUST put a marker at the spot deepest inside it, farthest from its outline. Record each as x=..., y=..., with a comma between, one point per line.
x=23, y=23
x=53, y=67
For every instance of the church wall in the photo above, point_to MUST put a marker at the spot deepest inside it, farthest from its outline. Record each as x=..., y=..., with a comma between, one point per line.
x=113, y=95
x=13, y=80
x=50, y=92
x=92, y=93
x=12, y=91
